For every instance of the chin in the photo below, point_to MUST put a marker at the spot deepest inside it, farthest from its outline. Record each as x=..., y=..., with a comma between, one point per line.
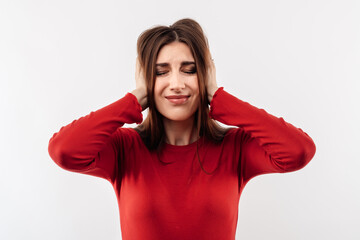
x=180, y=113
x=178, y=117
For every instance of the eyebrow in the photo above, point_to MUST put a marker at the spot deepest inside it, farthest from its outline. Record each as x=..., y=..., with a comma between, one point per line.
x=185, y=63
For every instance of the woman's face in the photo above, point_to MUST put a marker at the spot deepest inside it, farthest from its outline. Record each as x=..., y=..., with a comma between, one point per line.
x=176, y=84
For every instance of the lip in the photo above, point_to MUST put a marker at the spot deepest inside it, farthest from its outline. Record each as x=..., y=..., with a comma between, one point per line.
x=178, y=99
x=177, y=96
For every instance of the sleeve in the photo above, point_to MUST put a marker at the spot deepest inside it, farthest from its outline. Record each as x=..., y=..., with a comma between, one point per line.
x=91, y=144
x=268, y=143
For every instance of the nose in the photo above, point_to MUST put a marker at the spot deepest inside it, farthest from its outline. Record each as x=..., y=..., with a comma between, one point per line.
x=177, y=82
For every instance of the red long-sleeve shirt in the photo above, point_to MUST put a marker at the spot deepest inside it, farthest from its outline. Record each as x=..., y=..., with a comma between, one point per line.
x=178, y=200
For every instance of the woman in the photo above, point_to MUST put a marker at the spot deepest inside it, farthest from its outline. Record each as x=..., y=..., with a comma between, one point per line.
x=179, y=174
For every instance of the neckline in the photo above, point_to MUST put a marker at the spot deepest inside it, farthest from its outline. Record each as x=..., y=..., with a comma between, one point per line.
x=170, y=147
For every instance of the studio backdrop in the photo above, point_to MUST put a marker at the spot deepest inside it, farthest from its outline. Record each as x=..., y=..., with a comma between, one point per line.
x=60, y=60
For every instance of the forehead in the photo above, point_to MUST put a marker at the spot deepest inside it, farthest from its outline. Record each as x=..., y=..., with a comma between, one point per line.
x=175, y=53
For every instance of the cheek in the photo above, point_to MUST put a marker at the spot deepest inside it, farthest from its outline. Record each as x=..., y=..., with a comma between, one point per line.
x=196, y=81
x=196, y=91
x=195, y=85
x=158, y=88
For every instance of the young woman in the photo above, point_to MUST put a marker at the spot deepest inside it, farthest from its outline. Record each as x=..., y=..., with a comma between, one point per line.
x=179, y=174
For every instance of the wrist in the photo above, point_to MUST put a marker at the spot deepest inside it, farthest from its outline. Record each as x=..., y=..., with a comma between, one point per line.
x=141, y=96
x=211, y=92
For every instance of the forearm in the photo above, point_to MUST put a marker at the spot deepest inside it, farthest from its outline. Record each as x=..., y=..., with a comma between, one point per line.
x=78, y=143
x=284, y=142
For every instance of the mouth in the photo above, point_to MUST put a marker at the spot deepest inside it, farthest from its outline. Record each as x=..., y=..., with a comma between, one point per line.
x=178, y=99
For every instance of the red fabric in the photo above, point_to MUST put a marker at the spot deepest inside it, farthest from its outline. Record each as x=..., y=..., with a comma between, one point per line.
x=178, y=200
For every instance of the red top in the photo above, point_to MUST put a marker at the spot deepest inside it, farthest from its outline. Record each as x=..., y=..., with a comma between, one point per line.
x=178, y=200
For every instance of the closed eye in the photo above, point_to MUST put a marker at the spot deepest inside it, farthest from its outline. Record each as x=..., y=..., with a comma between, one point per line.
x=188, y=72
x=160, y=73
x=191, y=72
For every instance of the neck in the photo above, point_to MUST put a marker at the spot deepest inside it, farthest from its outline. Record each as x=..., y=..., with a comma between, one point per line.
x=180, y=132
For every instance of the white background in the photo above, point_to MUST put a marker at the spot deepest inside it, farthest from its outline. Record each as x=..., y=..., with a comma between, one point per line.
x=297, y=59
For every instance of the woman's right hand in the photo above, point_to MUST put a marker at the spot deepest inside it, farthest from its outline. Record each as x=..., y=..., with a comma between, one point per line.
x=140, y=92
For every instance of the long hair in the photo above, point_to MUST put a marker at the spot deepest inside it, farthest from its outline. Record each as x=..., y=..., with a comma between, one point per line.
x=149, y=44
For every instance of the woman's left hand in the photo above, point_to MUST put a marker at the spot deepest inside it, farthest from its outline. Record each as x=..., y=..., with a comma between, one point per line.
x=211, y=85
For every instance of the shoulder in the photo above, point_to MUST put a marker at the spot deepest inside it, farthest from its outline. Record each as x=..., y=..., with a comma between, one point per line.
x=233, y=132
x=128, y=137
x=228, y=135
x=235, y=135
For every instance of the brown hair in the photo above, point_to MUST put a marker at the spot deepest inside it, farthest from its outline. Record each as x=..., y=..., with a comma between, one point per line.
x=149, y=44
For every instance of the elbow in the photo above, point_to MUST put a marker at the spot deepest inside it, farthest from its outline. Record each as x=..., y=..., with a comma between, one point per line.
x=58, y=155
x=69, y=160
x=308, y=150
x=303, y=156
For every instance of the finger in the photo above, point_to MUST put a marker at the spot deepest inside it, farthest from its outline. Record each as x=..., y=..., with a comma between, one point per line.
x=137, y=62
